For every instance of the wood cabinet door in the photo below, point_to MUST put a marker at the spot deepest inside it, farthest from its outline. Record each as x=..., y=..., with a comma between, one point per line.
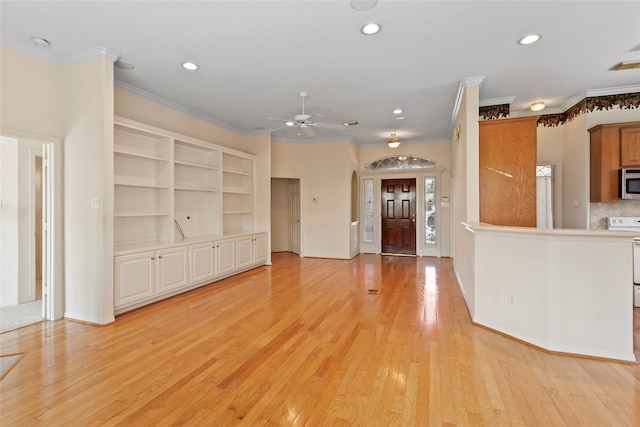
x=508, y=151
x=399, y=216
x=630, y=147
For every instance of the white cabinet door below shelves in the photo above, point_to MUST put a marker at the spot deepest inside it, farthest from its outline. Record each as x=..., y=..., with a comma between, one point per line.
x=244, y=247
x=260, y=249
x=172, y=269
x=134, y=278
x=225, y=253
x=202, y=261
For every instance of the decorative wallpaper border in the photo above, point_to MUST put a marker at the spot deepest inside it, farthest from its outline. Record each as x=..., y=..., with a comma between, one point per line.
x=492, y=112
x=623, y=101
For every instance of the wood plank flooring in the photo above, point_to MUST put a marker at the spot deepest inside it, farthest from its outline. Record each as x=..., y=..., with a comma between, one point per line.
x=304, y=342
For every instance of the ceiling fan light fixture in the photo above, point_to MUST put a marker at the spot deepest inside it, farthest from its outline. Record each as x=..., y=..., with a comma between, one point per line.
x=529, y=39
x=397, y=111
x=394, y=141
x=371, y=29
x=289, y=123
x=537, y=106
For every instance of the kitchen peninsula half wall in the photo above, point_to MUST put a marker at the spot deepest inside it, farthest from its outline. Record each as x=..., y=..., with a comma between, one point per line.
x=563, y=290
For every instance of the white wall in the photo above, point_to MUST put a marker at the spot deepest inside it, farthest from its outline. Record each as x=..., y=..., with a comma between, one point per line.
x=465, y=192
x=549, y=288
x=88, y=175
x=324, y=170
x=576, y=174
x=31, y=98
x=9, y=240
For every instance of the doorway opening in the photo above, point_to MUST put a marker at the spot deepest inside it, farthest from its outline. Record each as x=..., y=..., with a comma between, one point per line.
x=21, y=232
x=30, y=254
x=285, y=215
x=398, y=216
x=546, y=196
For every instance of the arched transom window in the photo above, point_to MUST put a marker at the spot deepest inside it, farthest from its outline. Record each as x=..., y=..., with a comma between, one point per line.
x=400, y=162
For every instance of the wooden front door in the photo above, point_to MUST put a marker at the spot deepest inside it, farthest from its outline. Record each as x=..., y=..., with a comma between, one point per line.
x=399, y=216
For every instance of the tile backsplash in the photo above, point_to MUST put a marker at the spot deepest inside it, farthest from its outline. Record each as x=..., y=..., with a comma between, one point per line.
x=601, y=211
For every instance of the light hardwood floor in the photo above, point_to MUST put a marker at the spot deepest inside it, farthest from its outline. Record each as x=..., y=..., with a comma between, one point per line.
x=304, y=342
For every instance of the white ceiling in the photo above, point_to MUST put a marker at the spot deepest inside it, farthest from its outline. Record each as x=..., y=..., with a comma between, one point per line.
x=256, y=56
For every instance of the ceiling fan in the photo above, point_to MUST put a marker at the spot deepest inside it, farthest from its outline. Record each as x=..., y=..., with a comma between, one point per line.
x=304, y=123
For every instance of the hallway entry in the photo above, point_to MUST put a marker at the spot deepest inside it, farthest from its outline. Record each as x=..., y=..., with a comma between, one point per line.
x=398, y=216
x=285, y=215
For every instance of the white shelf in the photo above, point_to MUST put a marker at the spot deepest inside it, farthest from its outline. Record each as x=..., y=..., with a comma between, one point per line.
x=160, y=176
x=138, y=214
x=195, y=165
x=139, y=185
x=237, y=172
x=204, y=190
x=228, y=191
x=236, y=212
x=129, y=153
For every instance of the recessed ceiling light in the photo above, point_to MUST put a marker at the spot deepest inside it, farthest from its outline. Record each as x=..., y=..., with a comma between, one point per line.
x=289, y=123
x=400, y=117
x=531, y=38
x=537, y=106
x=40, y=42
x=371, y=29
x=190, y=66
x=397, y=111
x=353, y=123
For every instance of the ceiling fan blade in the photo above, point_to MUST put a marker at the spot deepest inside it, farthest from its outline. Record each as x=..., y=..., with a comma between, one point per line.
x=275, y=118
x=309, y=131
x=329, y=125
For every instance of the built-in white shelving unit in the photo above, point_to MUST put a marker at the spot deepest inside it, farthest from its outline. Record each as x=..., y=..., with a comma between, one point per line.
x=237, y=193
x=182, y=208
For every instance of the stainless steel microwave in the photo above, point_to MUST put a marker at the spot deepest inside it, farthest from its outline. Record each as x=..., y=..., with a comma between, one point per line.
x=629, y=183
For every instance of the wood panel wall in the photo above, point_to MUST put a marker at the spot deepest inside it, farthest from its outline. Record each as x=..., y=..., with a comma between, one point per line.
x=508, y=151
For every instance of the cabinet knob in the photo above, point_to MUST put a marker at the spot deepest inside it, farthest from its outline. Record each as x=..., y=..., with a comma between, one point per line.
x=160, y=257
x=213, y=247
x=153, y=258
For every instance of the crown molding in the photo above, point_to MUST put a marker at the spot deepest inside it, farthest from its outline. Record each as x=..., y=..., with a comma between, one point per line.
x=613, y=90
x=497, y=101
x=90, y=55
x=473, y=81
x=175, y=106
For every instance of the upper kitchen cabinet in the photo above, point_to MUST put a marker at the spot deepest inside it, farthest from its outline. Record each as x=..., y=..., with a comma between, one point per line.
x=508, y=171
x=613, y=146
x=630, y=146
